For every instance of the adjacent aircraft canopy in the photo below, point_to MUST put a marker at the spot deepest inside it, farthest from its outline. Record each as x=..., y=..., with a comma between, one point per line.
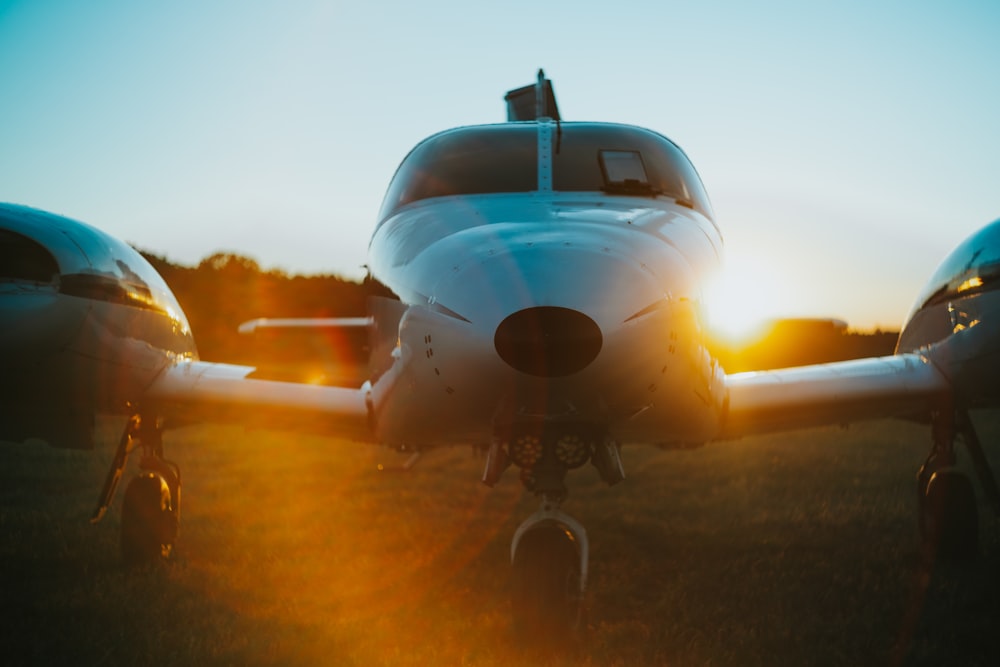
x=973, y=266
x=618, y=160
x=81, y=261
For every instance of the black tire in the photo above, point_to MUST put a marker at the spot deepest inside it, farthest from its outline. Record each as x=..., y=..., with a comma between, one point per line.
x=949, y=516
x=149, y=524
x=545, y=592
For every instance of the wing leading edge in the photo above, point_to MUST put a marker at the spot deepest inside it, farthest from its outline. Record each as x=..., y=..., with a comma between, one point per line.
x=196, y=391
x=842, y=392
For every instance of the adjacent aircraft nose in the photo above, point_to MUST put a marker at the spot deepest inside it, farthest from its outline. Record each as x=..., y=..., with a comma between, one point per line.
x=547, y=341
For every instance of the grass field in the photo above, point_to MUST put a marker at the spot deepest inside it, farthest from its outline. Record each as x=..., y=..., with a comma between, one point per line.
x=796, y=549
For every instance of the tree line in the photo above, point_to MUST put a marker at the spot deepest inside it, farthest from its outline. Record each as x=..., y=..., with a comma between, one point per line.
x=225, y=290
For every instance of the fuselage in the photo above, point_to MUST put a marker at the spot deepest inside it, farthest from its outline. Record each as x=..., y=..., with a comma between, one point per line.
x=536, y=288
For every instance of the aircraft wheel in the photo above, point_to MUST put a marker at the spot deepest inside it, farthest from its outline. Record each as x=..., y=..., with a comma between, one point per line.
x=949, y=516
x=545, y=594
x=149, y=525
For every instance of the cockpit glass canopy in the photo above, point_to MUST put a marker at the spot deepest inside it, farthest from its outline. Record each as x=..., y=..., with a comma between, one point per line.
x=485, y=159
x=599, y=157
x=618, y=160
x=973, y=266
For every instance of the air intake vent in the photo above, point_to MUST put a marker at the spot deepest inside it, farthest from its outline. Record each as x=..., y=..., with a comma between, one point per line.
x=548, y=341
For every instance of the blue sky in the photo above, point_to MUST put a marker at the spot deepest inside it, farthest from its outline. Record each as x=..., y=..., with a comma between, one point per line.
x=847, y=146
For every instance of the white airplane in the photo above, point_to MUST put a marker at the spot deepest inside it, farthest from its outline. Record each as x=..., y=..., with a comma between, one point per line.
x=541, y=287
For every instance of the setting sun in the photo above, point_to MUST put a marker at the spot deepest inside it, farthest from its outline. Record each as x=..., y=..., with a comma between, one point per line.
x=744, y=297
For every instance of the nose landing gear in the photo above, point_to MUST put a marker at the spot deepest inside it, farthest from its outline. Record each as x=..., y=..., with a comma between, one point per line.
x=151, y=506
x=150, y=518
x=550, y=551
x=550, y=556
x=947, y=507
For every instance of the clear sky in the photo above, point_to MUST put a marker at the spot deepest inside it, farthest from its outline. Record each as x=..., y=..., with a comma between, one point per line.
x=846, y=146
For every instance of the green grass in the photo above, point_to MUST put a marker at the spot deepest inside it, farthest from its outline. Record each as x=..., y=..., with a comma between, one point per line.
x=795, y=549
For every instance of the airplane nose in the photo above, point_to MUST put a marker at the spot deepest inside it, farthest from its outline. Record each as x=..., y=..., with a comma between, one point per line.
x=548, y=341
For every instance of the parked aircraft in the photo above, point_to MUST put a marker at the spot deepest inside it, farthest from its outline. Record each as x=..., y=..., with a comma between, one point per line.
x=536, y=294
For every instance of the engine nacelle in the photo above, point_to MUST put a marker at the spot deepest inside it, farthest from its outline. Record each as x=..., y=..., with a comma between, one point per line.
x=85, y=325
x=956, y=319
x=949, y=302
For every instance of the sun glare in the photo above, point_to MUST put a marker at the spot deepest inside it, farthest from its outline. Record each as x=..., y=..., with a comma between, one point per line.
x=743, y=298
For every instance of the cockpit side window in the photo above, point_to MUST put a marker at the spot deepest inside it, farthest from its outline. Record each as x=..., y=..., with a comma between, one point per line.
x=470, y=160
x=24, y=259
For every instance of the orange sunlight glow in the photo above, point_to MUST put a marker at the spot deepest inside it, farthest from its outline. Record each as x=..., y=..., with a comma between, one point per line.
x=744, y=297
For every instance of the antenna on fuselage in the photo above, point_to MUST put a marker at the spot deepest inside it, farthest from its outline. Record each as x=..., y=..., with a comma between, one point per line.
x=532, y=102
x=540, y=94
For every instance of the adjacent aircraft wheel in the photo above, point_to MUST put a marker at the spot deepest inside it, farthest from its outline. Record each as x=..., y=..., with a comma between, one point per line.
x=546, y=585
x=149, y=525
x=949, y=516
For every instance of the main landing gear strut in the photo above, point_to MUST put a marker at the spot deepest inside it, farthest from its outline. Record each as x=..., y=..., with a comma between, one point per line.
x=948, y=513
x=550, y=552
x=151, y=507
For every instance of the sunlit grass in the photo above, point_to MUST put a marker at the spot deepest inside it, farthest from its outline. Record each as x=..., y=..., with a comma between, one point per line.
x=791, y=549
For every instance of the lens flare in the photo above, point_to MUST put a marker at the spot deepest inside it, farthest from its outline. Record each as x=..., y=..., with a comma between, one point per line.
x=744, y=298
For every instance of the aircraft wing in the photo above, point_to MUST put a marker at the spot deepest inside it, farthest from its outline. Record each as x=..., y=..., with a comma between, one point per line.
x=194, y=391
x=842, y=392
x=305, y=323
x=318, y=350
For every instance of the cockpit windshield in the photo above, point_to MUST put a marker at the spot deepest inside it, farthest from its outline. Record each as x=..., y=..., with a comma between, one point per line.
x=588, y=156
x=468, y=160
x=618, y=160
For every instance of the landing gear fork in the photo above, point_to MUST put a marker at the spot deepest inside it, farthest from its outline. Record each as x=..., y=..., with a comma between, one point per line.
x=151, y=506
x=948, y=511
x=549, y=556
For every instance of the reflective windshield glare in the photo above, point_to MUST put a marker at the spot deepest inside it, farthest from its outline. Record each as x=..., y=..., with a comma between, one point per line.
x=618, y=160
x=972, y=266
